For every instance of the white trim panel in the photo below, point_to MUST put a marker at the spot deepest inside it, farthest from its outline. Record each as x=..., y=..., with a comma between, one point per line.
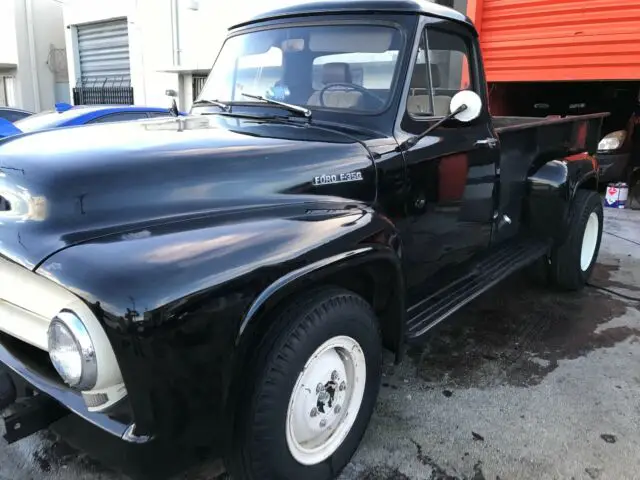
x=30, y=300
x=28, y=303
x=23, y=325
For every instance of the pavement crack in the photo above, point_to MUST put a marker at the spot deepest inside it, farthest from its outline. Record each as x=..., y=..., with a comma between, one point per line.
x=437, y=472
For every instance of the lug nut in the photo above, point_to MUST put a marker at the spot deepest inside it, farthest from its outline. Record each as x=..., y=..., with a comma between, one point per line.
x=323, y=423
x=320, y=388
x=334, y=376
x=343, y=386
x=337, y=409
x=314, y=412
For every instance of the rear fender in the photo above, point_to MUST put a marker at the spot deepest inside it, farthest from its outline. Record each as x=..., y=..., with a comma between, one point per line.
x=551, y=189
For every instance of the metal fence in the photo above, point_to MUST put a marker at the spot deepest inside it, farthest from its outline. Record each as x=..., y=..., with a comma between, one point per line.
x=198, y=84
x=105, y=92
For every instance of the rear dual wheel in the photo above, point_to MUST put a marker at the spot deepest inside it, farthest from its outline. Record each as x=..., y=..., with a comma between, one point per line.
x=570, y=264
x=314, y=383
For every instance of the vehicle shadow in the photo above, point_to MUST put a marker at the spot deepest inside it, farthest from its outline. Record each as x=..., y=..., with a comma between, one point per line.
x=516, y=334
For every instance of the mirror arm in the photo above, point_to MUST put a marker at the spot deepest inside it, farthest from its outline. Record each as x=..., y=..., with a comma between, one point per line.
x=412, y=141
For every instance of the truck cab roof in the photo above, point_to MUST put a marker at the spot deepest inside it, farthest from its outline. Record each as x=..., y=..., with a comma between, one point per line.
x=354, y=6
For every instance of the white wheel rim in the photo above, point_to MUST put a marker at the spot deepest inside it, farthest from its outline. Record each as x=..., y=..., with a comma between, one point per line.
x=325, y=400
x=589, y=241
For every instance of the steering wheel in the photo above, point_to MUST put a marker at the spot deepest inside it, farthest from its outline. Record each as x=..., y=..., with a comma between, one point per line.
x=351, y=86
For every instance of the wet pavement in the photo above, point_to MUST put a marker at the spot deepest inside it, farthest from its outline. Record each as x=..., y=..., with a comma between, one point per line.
x=524, y=383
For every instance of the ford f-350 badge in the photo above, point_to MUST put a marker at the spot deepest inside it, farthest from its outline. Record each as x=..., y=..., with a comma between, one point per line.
x=338, y=178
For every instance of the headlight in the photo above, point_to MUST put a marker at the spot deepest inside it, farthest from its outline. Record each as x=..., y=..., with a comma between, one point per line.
x=613, y=141
x=72, y=352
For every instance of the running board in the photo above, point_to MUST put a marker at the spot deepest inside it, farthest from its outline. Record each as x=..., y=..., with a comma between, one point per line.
x=437, y=306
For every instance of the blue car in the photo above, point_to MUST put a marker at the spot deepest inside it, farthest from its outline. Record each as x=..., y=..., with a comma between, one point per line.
x=66, y=115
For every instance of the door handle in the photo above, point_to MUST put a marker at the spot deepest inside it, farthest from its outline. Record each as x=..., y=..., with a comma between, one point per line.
x=487, y=142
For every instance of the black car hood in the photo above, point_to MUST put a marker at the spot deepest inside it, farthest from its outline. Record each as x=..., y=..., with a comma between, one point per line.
x=66, y=186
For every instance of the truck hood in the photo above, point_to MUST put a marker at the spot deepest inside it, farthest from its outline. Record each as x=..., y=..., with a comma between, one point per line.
x=63, y=187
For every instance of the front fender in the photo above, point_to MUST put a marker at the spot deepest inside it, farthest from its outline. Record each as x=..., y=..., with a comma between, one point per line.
x=172, y=298
x=373, y=270
x=552, y=187
x=314, y=273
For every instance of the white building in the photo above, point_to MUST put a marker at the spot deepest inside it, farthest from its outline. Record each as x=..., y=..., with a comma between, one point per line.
x=33, y=70
x=151, y=45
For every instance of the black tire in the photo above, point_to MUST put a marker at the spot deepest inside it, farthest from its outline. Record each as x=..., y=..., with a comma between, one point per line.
x=259, y=447
x=565, y=269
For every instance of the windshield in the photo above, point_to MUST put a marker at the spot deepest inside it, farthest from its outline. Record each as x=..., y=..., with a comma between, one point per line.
x=338, y=67
x=47, y=119
x=39, y=121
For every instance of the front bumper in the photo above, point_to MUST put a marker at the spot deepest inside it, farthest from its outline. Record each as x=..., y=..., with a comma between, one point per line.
x=612, y=165
x=33, y=375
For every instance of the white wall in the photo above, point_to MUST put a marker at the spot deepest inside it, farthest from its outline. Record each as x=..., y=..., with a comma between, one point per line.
x=155, y=43
x=8, y=44
x=48, y=30
x=25, y=42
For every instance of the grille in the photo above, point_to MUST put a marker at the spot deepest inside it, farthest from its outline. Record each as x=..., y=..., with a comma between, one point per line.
x=36, y=360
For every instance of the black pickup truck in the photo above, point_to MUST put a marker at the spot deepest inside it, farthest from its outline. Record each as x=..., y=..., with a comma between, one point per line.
x=233, y=276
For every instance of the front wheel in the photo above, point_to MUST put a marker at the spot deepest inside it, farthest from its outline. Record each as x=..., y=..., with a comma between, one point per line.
x=573, y=261
x=315, y=380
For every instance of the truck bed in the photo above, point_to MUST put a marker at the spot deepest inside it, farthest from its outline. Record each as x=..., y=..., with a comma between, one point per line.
x=523, y=140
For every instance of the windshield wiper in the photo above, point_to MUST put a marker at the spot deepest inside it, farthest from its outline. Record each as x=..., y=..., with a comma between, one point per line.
x=305, y=112
x=203, y=101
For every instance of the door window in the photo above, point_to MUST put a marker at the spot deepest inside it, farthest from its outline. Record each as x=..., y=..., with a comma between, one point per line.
x=120, y=117
x=13, y=115
x=441, y=70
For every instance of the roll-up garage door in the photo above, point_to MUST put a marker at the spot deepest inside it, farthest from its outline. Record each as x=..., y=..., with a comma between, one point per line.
x=555, y=40
x=103, y=49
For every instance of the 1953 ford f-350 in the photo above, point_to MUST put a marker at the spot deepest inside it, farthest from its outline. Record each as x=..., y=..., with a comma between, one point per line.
x=339, y=188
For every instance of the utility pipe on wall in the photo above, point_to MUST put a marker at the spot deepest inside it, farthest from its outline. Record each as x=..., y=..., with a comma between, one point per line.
x=175, y=32
x=35, y=81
